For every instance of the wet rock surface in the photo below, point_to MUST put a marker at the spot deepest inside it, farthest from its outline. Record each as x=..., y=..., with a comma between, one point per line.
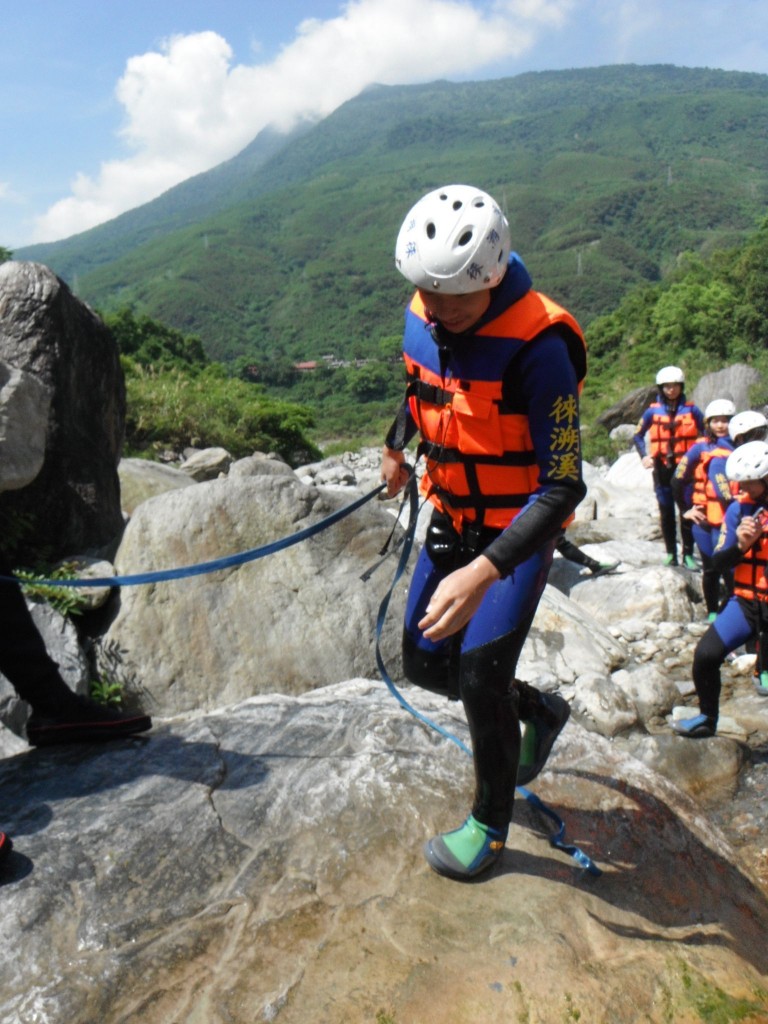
x=263, y=863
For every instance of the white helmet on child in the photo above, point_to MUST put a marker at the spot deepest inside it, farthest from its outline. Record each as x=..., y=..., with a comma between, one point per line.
x=454, y=240
x=748, y=462
x=670, y=375
x=744, y=422
x=719, y=407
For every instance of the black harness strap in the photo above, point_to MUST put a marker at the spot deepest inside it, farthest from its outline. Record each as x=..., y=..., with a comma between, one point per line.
x=483, y=501
x=437, y=453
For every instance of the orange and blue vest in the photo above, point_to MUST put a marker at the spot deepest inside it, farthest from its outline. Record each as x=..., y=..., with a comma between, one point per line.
x=480, y=460
x=672, y=432
x=715, y=502
x=699, y=494
x=749, y=579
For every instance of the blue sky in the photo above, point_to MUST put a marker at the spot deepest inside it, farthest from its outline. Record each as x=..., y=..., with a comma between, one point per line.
x=105, y=106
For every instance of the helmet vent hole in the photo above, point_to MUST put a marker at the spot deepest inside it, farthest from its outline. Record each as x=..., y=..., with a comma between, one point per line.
x=466, y=238
x=431, y=232
x=457, y=204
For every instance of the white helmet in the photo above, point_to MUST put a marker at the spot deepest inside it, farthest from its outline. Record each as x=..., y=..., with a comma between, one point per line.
x=670, y=375
x=749, y=462
x=745, y=421
x=719, y=407
x=455, y=240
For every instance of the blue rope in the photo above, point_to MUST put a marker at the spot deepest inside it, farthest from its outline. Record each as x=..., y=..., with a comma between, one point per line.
x=201, y=568
x=557, y=838
x=412, y=496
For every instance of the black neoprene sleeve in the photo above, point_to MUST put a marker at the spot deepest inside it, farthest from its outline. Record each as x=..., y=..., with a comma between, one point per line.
x=537, y=523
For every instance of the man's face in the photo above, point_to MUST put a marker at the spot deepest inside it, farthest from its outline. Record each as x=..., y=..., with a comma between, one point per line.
x=456, y=313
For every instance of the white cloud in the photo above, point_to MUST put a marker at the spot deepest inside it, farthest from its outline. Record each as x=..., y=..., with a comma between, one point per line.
x=187, y=108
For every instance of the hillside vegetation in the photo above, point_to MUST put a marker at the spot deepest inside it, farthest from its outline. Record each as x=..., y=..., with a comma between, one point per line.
x=710, y=312
x=285, y=253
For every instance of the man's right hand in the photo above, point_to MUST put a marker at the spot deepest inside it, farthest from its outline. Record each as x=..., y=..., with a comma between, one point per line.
x=394, y=471
x=747, y=532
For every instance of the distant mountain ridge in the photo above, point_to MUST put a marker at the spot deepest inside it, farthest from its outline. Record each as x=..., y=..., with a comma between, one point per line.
x=607, y=175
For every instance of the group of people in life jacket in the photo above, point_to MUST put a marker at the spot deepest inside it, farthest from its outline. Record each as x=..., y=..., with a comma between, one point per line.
x=712, y=469
x=494, y=370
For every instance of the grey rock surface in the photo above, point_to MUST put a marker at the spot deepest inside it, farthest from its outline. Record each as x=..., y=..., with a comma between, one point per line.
x=263, y=863
x=74, y=501
x=24, y=407
x=141, y=479
x=293, y=621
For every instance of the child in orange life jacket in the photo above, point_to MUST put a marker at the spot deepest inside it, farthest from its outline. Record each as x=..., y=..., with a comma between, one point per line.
x=721, y=492
x=691, y=486
x=743, y=547
x=673, y=425
x=493, y=375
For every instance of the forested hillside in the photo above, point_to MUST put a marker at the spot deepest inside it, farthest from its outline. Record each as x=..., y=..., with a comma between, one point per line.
x=608, y=175
x=708, y=312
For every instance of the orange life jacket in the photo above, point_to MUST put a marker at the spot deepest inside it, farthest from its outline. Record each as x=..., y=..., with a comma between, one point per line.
x=699, y=495
x=480, y=460
x=704, y=491
x=749, y=574
x=672, y=434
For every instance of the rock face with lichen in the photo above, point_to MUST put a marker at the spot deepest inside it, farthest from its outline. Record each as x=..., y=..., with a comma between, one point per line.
x=73, y=503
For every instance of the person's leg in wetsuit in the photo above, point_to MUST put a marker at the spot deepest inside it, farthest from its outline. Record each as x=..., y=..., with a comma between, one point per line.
x=574, y=554
x=705, y=537
x=733, y=626
x=58, y=715
x=478, y=667
x=662, y=477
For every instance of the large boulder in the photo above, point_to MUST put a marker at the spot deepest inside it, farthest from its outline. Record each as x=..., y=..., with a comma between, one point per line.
x=24, y=407
x=298, y=619
x=628, y=409
x=141, y=479
x=73, y=503
x=735, y=382
x=565, y=642
x=650, y=594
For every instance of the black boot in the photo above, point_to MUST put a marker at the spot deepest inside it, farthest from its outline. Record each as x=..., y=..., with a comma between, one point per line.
x=80, y=720
x=545, y=714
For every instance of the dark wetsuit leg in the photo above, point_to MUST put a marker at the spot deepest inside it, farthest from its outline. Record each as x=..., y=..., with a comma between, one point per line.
x=483, y=667
x=730, y=629
x=24, y=660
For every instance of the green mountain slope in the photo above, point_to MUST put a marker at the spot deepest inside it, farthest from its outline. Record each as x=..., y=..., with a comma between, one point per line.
x=607, y=175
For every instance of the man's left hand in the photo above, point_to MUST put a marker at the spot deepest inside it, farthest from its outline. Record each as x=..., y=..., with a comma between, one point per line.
x=457, y=598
